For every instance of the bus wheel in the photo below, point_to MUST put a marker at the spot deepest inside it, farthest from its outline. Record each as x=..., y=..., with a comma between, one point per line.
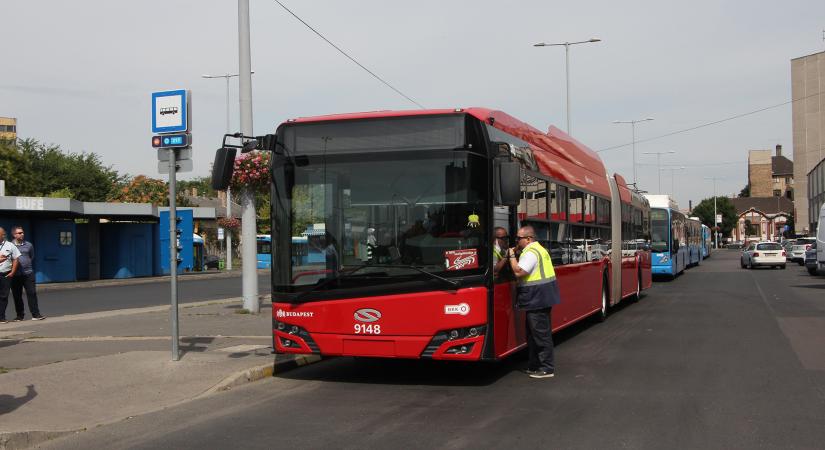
x=601, y=316
x=638, y=294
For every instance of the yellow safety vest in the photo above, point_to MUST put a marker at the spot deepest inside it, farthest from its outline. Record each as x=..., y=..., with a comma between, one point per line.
x=497, y=254
x=544, y=272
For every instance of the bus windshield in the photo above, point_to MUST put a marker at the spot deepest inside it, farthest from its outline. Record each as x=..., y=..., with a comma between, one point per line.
x=660, y=230
x=360, y=221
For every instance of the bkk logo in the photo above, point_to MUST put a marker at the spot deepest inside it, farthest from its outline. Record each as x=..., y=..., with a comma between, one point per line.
x=461, y=309
x=282, y=313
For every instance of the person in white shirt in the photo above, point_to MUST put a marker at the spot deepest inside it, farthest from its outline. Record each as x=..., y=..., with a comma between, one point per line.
x=8, y=266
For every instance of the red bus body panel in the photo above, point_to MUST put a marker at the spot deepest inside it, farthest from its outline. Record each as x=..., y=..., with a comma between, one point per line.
x=408, y=322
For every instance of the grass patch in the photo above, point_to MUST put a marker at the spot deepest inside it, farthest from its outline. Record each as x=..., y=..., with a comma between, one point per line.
x=242, y=311
x=3, y=370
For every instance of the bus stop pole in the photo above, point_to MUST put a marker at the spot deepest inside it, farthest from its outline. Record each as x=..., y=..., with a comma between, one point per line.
x=173, y=253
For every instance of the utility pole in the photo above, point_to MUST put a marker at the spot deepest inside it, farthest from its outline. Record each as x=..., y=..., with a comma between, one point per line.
x=248, y=227
x=659, y=164
x=633, y=134
x=228, y=236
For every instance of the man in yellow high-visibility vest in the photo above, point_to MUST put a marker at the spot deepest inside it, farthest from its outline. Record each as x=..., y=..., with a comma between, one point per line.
x=537, y=293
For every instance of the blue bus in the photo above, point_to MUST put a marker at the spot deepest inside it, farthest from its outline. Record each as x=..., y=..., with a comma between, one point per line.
x=707, y=241
x=693, y=235
x=264, y=251
x=668, y=240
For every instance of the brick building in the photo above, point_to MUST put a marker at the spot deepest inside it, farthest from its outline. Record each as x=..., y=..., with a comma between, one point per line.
x=8, y=128
x=770, y=175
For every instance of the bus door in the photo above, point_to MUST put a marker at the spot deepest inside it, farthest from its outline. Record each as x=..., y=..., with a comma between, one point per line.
x=509, y=323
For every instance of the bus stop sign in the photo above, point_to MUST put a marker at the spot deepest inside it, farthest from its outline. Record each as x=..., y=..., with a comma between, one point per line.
x=170, y=111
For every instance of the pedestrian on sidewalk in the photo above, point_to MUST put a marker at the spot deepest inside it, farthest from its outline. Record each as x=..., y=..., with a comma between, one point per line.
x=8, y=266
x=537, y=293
x=24, y=278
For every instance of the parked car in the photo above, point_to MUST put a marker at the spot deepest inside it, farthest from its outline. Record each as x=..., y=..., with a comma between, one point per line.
x=799, y=248
x=734, y=244
x=810, y=260
x=763, y=253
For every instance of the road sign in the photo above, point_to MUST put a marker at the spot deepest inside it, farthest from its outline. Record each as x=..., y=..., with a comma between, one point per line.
x=220, y=234
x=172, y=140
x=170, y=111
x=183, y=166
x=718, y=218
x=180, y=154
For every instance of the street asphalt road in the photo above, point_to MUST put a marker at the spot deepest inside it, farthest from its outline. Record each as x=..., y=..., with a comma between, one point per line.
x=720, y=358
x=106, y=298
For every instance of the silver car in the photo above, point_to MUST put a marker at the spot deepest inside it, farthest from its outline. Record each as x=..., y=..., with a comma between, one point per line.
x=766, y=253
x=798, y=249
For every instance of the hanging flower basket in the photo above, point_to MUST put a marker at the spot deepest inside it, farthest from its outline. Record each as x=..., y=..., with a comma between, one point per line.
x=251, y=172
x=230, y=223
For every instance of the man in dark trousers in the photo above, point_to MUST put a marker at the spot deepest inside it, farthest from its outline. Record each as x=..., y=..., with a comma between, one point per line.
x=537, y=293
x=24, y=277
x=8, y=266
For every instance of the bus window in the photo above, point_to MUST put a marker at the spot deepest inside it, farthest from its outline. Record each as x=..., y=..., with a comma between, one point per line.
x=575, y=208
x=660, y=233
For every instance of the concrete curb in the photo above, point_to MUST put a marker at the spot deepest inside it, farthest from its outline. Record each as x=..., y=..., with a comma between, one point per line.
x=260, y=372
x=27, y=439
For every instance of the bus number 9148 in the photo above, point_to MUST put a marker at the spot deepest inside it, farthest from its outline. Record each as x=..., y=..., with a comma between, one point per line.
x=363, y=328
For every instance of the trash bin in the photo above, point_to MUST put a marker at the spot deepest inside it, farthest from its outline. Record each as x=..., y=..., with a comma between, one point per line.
x=220, y=264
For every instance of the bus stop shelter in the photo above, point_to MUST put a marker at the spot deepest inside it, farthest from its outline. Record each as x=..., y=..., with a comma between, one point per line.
x=76, y=240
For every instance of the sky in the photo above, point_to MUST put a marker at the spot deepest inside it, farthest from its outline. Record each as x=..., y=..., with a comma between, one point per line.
x=80, y=74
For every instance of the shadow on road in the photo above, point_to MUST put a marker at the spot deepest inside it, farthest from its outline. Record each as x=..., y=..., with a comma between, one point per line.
x=427, y=372
x=195, y=344
x=9, y=342
x=9, y=403
x=811, y=286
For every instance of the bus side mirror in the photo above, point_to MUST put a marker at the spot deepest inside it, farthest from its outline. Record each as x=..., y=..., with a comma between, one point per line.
x=508, y=182
x=222, y=168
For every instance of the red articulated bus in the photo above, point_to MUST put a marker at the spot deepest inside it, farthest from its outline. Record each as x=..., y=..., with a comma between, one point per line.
x=395, y=212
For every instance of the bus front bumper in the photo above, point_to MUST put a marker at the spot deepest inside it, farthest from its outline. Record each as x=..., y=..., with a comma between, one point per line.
x=467, y=345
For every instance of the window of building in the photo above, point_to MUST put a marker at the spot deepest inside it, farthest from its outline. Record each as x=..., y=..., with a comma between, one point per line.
x=65, y=238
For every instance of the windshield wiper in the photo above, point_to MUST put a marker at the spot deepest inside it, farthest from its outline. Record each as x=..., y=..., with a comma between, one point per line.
x=304, y=294
x=328, y=281
x=434, y=276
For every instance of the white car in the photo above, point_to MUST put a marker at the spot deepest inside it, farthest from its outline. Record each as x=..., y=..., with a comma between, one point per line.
x=764, y=253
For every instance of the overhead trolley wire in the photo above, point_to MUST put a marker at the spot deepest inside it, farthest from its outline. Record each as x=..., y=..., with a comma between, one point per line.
x=348, y=56
x=715, y=122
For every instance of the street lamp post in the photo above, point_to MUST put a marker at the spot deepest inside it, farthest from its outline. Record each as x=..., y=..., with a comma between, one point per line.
x=567, y=70
x=673, y=177
x=633, y=131
x=659, y=163
x=228, y=236
x=249, y=276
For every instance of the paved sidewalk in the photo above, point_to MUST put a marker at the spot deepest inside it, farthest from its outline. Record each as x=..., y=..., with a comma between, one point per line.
x=72, y=373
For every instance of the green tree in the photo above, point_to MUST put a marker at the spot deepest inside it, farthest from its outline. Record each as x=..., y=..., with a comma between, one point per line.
x=15, y=169
x=35, y=169
x=704, y=211
x=746, y=191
